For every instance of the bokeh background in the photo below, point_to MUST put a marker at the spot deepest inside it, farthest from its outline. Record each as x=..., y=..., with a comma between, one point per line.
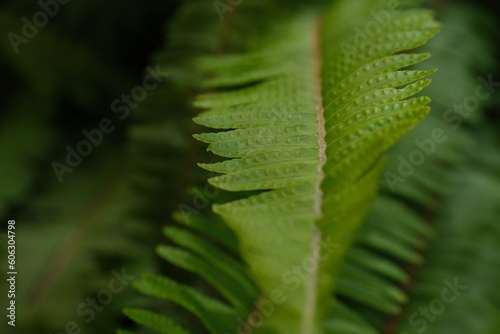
x=76, y=231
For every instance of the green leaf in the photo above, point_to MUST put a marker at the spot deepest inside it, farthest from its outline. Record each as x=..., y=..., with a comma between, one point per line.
x=309, y=132
x=155, y=321
x=216, y=316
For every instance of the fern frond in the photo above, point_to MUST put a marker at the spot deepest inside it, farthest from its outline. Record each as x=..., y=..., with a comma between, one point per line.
x=155, y=321
x=404, y=237
x=306, y=124
x=342, y=116
x=462, y=266
x=374, y=273
x=462, y=254
x=209, y=250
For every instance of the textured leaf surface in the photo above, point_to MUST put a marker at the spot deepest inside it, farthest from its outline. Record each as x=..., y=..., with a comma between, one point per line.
x=301, y=123
x=308, y=129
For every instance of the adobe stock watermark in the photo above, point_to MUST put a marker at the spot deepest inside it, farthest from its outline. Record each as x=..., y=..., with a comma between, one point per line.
x=200, y=201
x=223, y=6
x=454, y=117
x=30, y=28
x=88, y=309
x=121, y=107
x=425, y=315
x=291, y=279
x=370, y=29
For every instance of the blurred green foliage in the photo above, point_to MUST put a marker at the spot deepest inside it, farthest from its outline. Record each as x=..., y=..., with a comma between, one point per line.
x=107, y=214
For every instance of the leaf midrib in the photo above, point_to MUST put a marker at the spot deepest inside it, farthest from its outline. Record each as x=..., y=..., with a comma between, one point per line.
x=308, y=323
